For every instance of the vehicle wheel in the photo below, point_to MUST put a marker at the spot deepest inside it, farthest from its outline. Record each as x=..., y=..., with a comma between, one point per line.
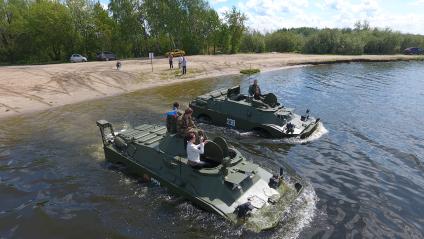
x=262, y=133
x=204, y=119
x=107, y=59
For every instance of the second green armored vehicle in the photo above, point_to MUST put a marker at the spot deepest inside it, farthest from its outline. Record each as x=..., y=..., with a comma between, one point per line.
x=227, y=107
x=230, y=186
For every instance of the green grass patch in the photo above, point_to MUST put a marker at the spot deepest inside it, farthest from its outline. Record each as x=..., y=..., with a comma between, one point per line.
x=250, y=71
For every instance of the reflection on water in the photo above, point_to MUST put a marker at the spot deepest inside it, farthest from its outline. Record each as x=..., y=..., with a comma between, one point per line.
x=366, y=174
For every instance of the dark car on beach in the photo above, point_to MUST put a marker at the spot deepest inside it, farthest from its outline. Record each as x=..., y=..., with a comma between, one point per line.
x=413, y=51
x=105, y=56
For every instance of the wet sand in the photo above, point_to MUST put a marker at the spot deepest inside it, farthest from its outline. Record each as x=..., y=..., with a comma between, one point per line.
x=25, y=89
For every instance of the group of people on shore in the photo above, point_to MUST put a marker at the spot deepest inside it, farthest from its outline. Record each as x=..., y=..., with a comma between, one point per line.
x=182, y=63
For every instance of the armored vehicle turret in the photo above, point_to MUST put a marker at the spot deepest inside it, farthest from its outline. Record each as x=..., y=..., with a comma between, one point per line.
x=227, y=107
x=231, y=186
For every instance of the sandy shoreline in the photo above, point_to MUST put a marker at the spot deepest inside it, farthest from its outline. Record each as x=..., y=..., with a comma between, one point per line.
x=25, y=89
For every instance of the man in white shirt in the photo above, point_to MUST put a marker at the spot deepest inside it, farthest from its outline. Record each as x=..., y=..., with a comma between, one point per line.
x=195, y=150
x=180, y=60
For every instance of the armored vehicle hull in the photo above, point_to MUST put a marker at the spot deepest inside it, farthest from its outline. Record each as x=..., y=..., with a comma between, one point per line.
x=230, y=186
x=227, y=107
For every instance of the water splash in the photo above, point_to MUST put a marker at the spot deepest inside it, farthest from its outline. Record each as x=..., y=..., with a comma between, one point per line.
x=96, y=152
x=300, y=214
x=318, y=133
x=248, y=136
x=296, y=217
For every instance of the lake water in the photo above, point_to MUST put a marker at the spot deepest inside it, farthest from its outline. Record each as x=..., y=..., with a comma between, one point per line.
x=364, y=167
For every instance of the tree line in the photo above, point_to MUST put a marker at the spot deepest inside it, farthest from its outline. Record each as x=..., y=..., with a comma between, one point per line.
x=44, y=31
x=361, y=39
x=52, y=30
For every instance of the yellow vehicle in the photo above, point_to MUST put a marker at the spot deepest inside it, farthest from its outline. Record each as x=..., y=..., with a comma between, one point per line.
x=176, y=53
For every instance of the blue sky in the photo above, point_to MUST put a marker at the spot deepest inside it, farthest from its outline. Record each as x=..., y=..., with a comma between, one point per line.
x=268, y=15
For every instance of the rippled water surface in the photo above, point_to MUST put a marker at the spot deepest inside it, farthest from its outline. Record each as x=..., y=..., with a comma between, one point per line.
x=366, y=174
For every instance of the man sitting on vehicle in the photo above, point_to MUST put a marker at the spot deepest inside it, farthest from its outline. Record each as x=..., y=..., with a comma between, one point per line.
x=185, y=125
x=255, y=90
x=195, y=150
x=171, y=118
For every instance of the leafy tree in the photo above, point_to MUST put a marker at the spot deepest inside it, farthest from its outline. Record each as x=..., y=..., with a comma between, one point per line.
x=103, y=30
x=50, y=26
x=129, y=30
x=13, y=16
x=323, y=42
x=236, y=26
x=284, y=41
x=252, y=42
x=350, y=44
x=51, y=30
x=412, y=41
x=81, y=12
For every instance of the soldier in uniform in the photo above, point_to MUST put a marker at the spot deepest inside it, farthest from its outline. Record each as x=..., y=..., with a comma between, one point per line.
x=185, y=125
x=255, y=90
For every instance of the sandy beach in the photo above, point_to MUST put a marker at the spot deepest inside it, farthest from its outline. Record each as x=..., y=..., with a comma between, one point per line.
x=29, y=88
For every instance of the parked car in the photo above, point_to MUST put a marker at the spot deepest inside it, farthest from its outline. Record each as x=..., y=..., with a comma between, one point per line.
x=176, y=53
x=413, y=51
x=106, y=56
x=77, y=58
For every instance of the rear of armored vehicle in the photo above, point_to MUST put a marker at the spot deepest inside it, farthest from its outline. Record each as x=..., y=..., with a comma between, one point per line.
x=258, y=198
x=243, y=192
x=207, y=107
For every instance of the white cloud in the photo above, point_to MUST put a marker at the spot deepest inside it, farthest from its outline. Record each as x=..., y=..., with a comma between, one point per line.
x=217, y=1
x=223, y=10
x=273, y=7
x=418, y=3
x=269, y=15
x=104, y=6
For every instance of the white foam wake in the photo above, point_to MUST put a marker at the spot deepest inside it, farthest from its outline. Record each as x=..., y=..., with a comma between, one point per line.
x=318, y=133
x=250, y=135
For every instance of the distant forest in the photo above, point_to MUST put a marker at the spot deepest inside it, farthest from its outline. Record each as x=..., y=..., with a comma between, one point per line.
x=44, y=31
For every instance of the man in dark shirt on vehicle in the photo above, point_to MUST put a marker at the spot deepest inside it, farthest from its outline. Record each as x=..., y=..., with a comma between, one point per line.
x=171, y=118
x=255, y=90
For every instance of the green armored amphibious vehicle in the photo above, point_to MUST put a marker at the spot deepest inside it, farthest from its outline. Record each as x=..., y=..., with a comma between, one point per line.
x=230, y=186
x=227, y=107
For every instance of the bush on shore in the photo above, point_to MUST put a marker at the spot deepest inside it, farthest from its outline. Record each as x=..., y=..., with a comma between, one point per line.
x=250, y=71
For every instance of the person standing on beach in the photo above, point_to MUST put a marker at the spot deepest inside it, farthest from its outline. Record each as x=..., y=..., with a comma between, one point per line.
x=180, y=59
x=184, y=65
x=171, y=61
